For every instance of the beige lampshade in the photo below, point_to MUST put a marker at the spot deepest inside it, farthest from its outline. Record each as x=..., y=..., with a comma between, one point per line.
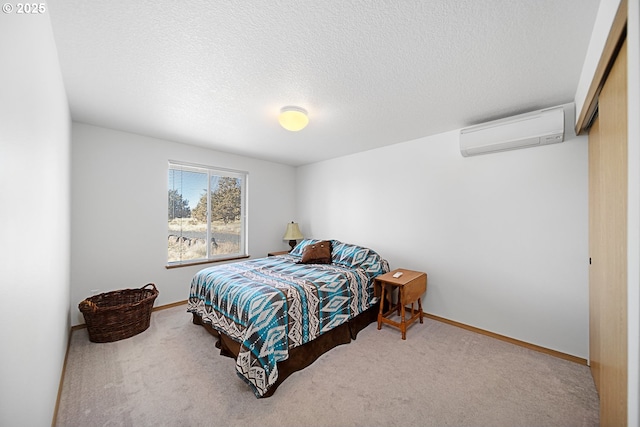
x=293, y=232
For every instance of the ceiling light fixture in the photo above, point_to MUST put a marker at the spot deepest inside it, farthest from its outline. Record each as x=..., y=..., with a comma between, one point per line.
x=293, y=118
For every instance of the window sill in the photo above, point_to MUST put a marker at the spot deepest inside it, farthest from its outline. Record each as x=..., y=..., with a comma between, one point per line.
x=209, y=261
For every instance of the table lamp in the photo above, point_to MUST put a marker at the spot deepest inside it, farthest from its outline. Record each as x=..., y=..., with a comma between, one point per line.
x=292, y=234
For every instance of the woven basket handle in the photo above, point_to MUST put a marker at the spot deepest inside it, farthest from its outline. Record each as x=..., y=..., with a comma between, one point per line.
x=87, y=305
x=150, y=284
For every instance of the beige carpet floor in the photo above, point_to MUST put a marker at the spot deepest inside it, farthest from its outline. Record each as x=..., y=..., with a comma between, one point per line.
x=172, y=375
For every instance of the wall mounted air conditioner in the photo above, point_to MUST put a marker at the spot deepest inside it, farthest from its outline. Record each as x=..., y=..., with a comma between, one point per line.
x=524, y=130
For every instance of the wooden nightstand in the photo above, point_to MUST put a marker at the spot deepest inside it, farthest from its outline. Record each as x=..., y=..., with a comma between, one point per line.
x=411, y=286
x=277, y=253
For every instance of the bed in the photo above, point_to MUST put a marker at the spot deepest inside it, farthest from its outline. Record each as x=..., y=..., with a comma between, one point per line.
x=277, y=315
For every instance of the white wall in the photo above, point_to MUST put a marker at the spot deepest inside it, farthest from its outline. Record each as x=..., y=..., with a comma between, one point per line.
x=503, y=237
x=119, y=211
x=34, y=248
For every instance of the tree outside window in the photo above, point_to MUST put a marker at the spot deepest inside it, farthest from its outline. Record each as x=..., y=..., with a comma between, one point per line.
x=206, y=216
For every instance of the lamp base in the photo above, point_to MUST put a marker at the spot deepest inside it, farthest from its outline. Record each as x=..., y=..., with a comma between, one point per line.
x=292, y=243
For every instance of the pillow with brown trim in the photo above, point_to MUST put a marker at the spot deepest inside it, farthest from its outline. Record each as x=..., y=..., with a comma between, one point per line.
x=317, y=253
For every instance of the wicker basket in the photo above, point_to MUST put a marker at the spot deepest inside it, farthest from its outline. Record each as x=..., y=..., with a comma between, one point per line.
x=117, y=315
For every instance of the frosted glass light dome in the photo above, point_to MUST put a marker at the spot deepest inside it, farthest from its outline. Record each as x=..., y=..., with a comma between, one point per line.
x=293, y=118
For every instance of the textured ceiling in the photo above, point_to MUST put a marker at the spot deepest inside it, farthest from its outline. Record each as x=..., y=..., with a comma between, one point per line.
x=370, y=73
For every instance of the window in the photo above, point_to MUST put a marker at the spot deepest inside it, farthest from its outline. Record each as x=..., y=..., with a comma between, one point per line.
x=207, y=214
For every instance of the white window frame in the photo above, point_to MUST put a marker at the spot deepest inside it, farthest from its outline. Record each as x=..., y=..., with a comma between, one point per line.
x=222, y=172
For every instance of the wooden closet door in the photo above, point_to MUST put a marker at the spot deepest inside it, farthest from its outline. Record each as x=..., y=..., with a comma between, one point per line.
x=608, y=245
x=596, y=234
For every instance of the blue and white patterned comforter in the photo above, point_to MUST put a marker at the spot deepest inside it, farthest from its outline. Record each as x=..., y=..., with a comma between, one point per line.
x=270, y=305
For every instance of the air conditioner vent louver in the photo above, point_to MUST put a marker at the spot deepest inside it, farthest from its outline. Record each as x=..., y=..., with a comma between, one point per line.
x=525, y=130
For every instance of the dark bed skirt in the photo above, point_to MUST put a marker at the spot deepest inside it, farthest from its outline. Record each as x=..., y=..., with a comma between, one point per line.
x=306, y=354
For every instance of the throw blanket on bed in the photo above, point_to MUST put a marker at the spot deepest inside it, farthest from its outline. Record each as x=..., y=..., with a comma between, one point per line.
x=272, y=304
